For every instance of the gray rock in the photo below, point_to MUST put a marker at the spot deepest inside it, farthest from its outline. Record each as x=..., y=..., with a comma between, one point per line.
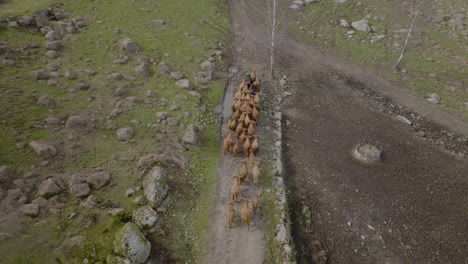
x=91, y=201
x=339, y=1
x=140, y=200
x=8, y=62
x=49, y=188
x=172, y=121
x=151, y=94
x=311, y=1
x=70, y=75
x=77, y=178
x=99, y=179
x=159, y=22
x=362, y=25
x=143, y=70
x=130, y=192
x=164, y=67
x=43, y=149
x=132, y=244
x=344, y=23
x=40, y=201
x=162, y=115
x=465, y=104
x=129, y=45
x=76, y=122
x=53, y=45
x=184, y=84
x=125, y=133
x=403, y=119
x=80, y=190
x=208, y=65
x=143, y=60
x=298, y=2
x=196, y=94
x=191, y=136
x=41, y=21
x=177, y=75
x=145, y=217
x=75, y=250
x=295, y=7
x=7, y=173
x=133, y=99
x=154, y=186
x=53, y=35
x=82, y=86
x=204, y=77
x=116, y=112
x=31, y=210
x=46, y=101
x=115, y=76
x=52, y=82
x=40, y=75
x=52, y=121
x=52, y=54
x=434, y=98
x=14, y=24
x=45, y=30
x=26, y=21
x=120, y=92
x=80, y=24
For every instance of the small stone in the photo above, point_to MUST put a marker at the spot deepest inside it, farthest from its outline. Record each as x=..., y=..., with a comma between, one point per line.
x=434, y=98
x=53, y=35
x=9, y=63
x=145, y=217
x=120, y=92
x=52, y=82
x=53, y=45
x=159, y=22
x=98, y=180
x=70, y=75
x=115, y=76
x=49, y=188
x=26, y=21
x=82, y=86
x=46, y=101
x=75, y=250
x=76, y=122
x=131, y=243
x=143, y=70
x=184, y=84
x=162, y=115
x=177, y=75
x=7, y=173
x=362, y=25
x=80, y=190
x=130, y=192
x=140, y=200
x=52, y=54
x=125, y=133
x=45, y=163
x=40, y=75
x=129, y=45
x=163, y=67
x=344, y=23
x=52, y=121
x=403, y=119
x=13, y=24
x=151, y=94
x=208, y=65
x=43, y=149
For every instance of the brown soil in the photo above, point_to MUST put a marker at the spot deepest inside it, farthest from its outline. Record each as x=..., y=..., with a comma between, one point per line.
x=408, y=208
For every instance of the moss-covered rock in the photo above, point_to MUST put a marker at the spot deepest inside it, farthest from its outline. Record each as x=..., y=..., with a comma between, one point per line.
x=112, y=259
x=145, y=217
x=155, y=187
x=75, y=250
x=131, y=243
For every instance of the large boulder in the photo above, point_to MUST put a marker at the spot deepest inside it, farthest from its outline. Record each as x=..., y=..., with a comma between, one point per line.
x=131, y=243
x=99, y=179
x=7, y=173
x=49, y=188
x=154, y=186
x=145, y=217
x=43, y=149
x=75, y=250
x=129, y=45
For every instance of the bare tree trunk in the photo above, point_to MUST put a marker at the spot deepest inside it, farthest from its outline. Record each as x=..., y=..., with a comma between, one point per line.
x=397, y=65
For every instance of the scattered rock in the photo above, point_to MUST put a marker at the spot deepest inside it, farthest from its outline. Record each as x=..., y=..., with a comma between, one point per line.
x=154, y=186
x=191, y=136
x=125, y=133
x=298, y=2
x=120, y=92
x=41, y=21
x=91, y=202
x=52, y=121
x=339, y=1
x=76, y=122
x=49, y=188
x=162, y=115
x=7, y=173
x=163, y=67
x=130, y=192
x=8, y=62
x=40, y=201
x=53, y=35
x=26, y=21
x=82, y=86
x=177, y=75
x=132, y=244
x=98, y=180
x=75, y=250
x=362, y=25
x=31, y=210
x=46, y=101
x=403, y=119
x=204, y=77
x=40, y=75
x=143, y=60
x=43, y=149
x=14, y=24
x=434, y=98
x=344, y=23
x=116, y=112
x=295, y=7
x=159, y=22
x=133, y=99
x=143, y=70
x=70, y=75
x=184, y=84
x=52, y=82
x=52, y=54
x=112, y=259
x=151, y=94
x=139, y=200
x=115, y=76
x=129, y=45
x=145, y=217
x=208, y=65
x=80, y=190
x=53, y=45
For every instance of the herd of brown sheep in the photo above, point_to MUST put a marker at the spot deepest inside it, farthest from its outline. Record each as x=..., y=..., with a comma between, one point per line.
x=245, y=115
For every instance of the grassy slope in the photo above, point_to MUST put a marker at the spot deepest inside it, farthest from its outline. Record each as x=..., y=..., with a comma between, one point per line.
x=429, y=51
x=206, y=23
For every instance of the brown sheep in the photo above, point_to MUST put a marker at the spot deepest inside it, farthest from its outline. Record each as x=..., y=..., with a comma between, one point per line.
x=228, y=141
x=252, y=155
x=236, y=148
x=235, y=188
x=255, y=202
x=243, y=171
x=236, y=115
x=257, y=99
x=255, y=114
x=255, y=144
x=245, y=213
x=239, y=127
x=246, y=145
x=231, y=213
x=251, y=128
x=253, y=76
x=256, y=172
x=247, y=119
x=257, y=84
x=233, y=124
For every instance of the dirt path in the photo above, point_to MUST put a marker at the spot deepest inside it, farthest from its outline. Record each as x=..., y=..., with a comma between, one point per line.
x=237, y=245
